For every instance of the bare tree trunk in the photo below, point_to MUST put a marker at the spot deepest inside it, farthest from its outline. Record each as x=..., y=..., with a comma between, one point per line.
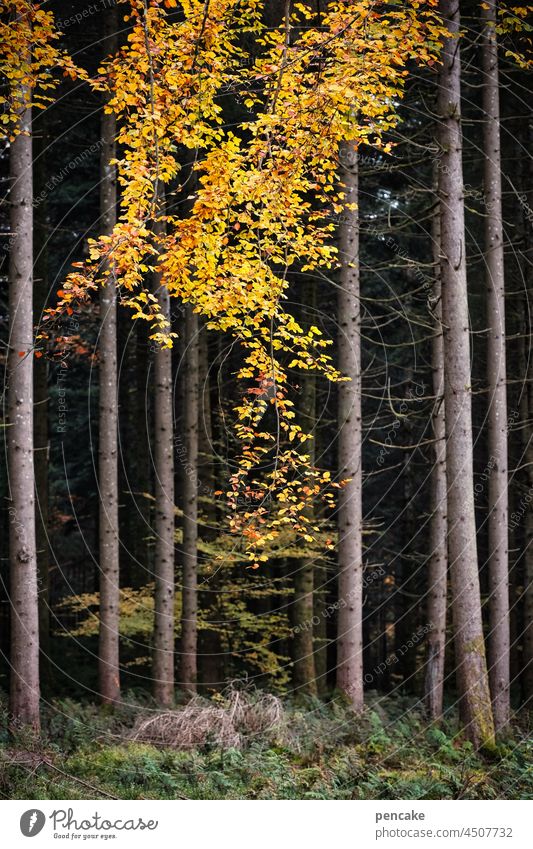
x=189, y=624
x=109, y=671
x=462, y=545
x=438, y=547
x=350, y=631
x=304, y=673
x=526, y=416
x=24, y=685
x=41, y=401
x=142, y=466
x=498, y=559
x=163, y=658
x=209, y=654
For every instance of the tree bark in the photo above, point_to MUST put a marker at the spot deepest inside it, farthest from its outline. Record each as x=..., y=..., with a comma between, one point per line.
x=24, y=683
x=498, y=508
x=438, y=557
x=189, y=624
x=304, y=673
x=109, y=671
x=163, y=657
x=526, y=417
x=41, y=401
x=471, y=663
x=350, y=590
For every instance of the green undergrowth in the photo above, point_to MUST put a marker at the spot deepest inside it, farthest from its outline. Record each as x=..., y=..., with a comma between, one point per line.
x=315, y=751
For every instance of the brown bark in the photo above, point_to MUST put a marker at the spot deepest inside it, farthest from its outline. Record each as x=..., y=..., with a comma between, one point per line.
x=189, y=624
x=24, y=682
x=438, y=557
x=109, y=671
x=471, y=663
x=350, y=589
x=163, y=656
x=498, y=507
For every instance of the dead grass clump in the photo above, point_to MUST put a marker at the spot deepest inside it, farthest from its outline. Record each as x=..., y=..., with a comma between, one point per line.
x=229, y=724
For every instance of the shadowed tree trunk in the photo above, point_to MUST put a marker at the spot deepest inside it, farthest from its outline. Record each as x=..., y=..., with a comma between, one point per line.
x=41, y=400
x=350, y=631
x=498, y=559
x=109, y=673
x=526, y=416
x=438, y=548
x=209, y=659
x=471, y=663
x=304, y=673
x=163, y=659
x=189, y=624
x=24, y=680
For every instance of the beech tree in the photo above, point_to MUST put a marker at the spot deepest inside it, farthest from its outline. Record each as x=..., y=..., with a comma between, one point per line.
x=471, y=663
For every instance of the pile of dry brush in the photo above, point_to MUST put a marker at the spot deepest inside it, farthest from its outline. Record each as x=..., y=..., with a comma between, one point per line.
x=229, y=723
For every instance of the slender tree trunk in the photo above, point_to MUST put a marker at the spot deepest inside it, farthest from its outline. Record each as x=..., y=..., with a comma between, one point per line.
x=527, y=422
x=304, y=673
x=189, y=625
x=24, y=688
x=109, y=671
x=462, y=545
x=438, y=557
x=41, y=402
x=163, y=659
x=209, y=655
x=142, y=463
x=350, y=632
x=498, y=559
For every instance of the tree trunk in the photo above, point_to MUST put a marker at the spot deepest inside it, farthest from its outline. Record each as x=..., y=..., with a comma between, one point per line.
x=350, y=632
x=526, y=417
x=109, y=672
x=24, y=685
x=462, y=545
x=498, y=559
x=304, y=673
x=438, y=557
x=189, y=624
x=163, y=658
x=209, y=654
x=41, y=401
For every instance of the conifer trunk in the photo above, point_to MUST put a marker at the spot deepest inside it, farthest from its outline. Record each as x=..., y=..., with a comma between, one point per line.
x=350, y=550
x=498, y=508
x=473, y=686
x=24, y=681
x=304, y=673
x=41, y=400
x=109, y=672
x=438, y=557
x=163, y=658
x=189, y=624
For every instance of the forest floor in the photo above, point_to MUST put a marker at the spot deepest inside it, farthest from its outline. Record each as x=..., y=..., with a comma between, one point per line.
x=315, y=751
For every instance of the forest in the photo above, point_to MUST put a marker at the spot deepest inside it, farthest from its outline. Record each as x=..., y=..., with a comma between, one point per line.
x=266, y=489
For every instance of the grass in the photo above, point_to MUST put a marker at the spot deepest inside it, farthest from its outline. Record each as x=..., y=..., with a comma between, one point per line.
x=316, y=751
